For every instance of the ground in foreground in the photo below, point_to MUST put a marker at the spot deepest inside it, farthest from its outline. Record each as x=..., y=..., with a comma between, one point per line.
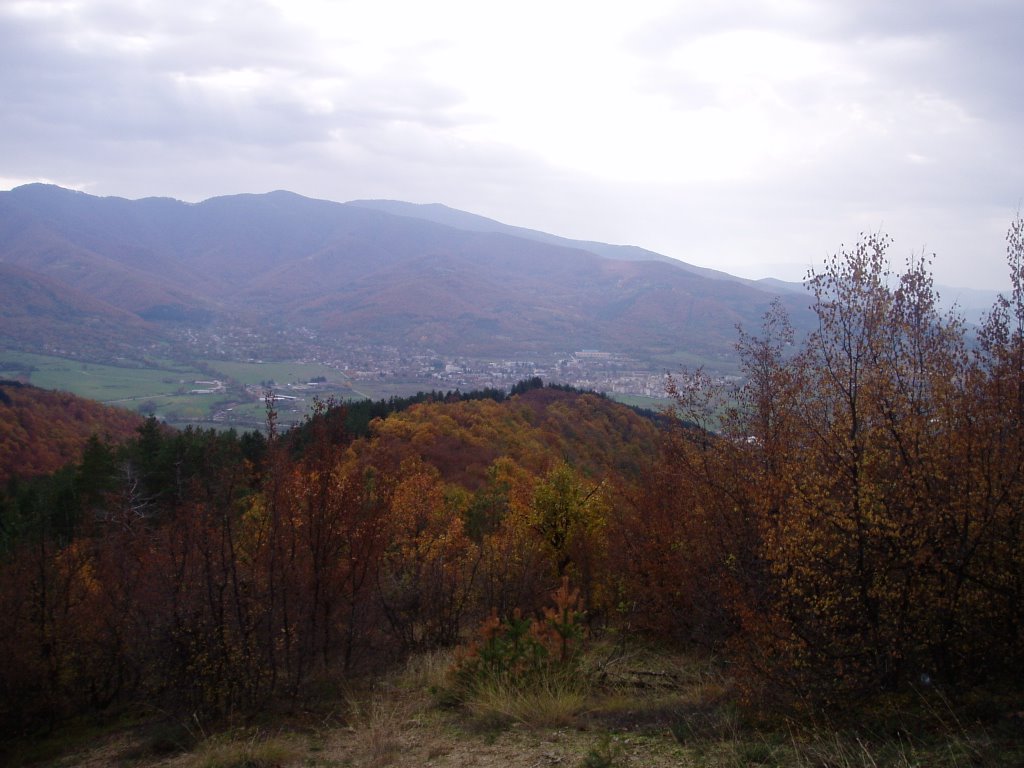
x=634, y=709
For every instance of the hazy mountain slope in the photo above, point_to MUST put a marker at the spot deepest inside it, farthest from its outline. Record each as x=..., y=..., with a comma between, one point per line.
x=95, y=245
x=498, y=292
x=38, y=312
x=357, y=273
x=451, y=217
x=972, y=303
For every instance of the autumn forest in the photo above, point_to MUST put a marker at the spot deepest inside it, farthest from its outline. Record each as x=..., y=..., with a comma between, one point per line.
x=842, y=524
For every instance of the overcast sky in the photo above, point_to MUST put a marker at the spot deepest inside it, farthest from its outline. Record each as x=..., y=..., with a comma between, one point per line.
x=750, y=136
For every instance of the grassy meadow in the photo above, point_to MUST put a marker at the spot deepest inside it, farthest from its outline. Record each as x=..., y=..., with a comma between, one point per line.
x=106, y=383
x=165, y=387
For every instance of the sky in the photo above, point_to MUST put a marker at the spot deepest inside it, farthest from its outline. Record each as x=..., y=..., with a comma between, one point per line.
x=752, y=136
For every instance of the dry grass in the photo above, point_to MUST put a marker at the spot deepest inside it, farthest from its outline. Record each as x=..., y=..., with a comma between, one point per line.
x=618, y=710
x=551, y=702
x=426, y=671
x=376, y=724
x=246, y=750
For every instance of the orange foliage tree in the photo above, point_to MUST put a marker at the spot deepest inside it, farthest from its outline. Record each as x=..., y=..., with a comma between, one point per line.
x=856, y=503
x=427, y=572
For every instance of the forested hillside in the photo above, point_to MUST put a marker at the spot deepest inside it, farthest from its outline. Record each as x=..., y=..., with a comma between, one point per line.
x=321, y=551
x=42, y=430
x=843, y=525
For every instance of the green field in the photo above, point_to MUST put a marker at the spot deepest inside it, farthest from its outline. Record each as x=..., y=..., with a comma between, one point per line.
x=283, y=374
x=673, y=362
x=164, y=389
x=640, y=401
x=106, y=383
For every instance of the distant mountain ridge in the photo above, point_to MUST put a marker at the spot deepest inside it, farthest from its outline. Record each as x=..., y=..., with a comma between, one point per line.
x=373, y=272
x=442, y=214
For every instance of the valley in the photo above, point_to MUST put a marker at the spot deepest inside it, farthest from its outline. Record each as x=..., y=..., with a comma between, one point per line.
x=279, y=276
x=136, y=303
x=230, y=393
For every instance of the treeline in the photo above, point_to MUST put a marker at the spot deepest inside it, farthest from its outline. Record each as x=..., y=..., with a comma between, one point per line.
x=358, y=414
x=148, y=476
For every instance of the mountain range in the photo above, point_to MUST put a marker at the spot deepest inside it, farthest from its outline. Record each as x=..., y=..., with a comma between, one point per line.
x=117, y=273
